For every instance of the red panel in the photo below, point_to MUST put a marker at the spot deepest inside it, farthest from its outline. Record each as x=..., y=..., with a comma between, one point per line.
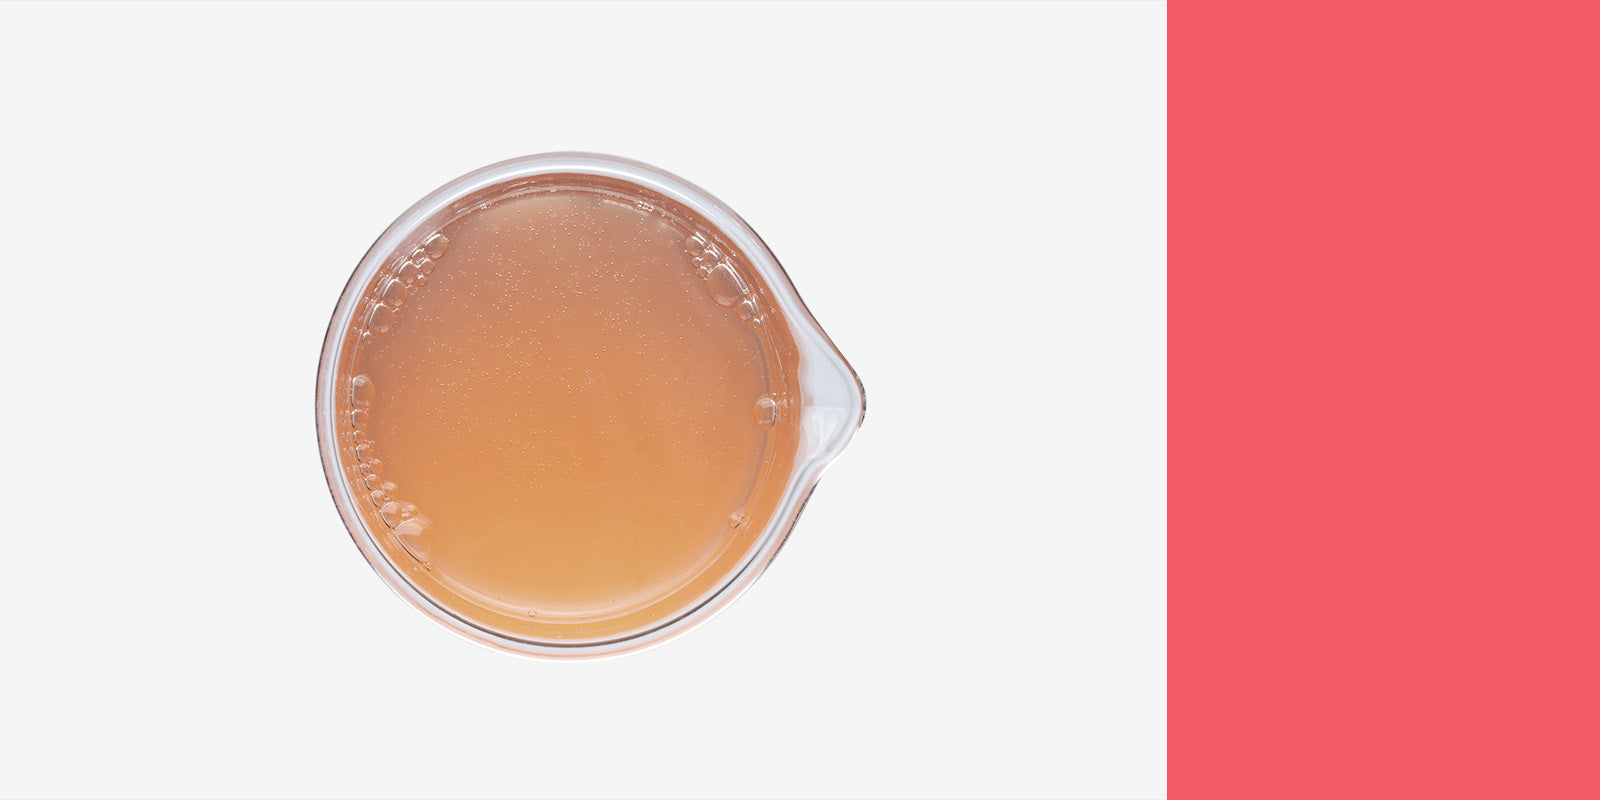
x=1384, y=338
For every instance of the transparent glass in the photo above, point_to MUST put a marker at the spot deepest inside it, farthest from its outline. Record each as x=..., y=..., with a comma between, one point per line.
x=825, y=403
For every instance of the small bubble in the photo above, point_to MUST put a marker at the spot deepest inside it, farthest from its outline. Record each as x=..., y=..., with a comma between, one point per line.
x=372, y=481
x=390, y=487
x=382, y=319
x=373, y=467
x=366, y=337
x=362, y=391
x=747, y=311
x=390, y=513
x=436, y=245
x=725, y=287
x=416, y=536
x=422, y=280
x=395, y=294
x=424, y=265
x=364, y=451
x=408, y=510
x=695, y=245
x=360, y=438
x=766, y=411
x=736, y=520
x=378, y=498
x=358, y=419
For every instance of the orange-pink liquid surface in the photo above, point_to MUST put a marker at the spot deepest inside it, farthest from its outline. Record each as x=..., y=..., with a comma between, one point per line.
x=568, y=410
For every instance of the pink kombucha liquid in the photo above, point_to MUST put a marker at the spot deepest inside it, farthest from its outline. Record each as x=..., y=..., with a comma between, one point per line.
x=567, y=411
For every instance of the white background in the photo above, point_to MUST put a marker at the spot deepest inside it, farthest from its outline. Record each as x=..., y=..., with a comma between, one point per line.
x=970, y=198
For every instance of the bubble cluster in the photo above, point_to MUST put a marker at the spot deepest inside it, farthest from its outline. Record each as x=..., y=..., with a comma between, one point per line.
x=723, y=283
x=391, y=294
x=413, y=532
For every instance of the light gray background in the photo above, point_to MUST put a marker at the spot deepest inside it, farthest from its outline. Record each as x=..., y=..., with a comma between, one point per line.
x=971, y=198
